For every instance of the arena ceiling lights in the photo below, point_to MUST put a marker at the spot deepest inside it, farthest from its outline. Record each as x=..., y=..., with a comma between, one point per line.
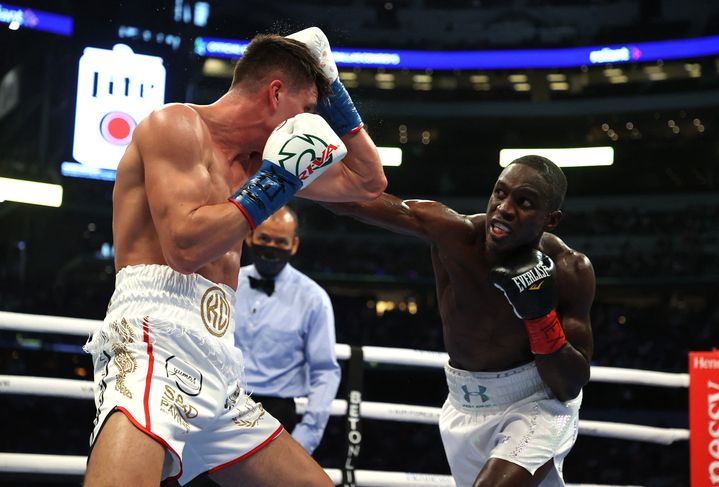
x=498, y=59
x=390, y=156
x=567, y=157
x=30, y=192
x=27, y=18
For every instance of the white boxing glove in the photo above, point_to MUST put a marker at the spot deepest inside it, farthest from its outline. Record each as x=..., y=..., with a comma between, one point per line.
x=296, y=153
x=318, y=44
x=305, y=146
x=339, y=109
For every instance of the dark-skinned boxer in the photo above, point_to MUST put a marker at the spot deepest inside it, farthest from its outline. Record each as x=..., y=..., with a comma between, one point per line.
x=514, y=302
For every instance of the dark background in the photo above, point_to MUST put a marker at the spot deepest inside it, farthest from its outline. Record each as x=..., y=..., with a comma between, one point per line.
x=649, y=223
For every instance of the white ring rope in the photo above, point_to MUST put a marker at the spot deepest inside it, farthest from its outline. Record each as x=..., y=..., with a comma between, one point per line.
x=82, y=389
x=47, y=324
x=384, y=355
x=75, y=465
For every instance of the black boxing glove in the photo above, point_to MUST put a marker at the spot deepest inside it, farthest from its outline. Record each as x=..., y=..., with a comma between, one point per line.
x=528, y=281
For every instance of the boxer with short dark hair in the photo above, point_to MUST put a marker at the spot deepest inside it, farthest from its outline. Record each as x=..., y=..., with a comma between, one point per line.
x=268, y=54
x=514, y=302
x=193, y=182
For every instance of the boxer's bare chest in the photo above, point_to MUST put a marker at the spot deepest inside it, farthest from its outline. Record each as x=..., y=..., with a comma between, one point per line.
x=224, y=178
x=480, y=329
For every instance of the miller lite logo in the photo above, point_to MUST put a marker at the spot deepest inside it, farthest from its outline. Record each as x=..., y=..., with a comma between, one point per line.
x=304, y=154
x=215, y=311
x=116, y=88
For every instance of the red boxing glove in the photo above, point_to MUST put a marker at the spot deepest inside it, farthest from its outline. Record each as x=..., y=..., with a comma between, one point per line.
x=546, y=334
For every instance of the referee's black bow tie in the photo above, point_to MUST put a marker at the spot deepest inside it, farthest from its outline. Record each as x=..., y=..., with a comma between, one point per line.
x=266, y=285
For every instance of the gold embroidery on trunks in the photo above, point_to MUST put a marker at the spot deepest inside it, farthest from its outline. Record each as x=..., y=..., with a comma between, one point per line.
x=173, y=403
x=123, y=360
x=253, y=413
x=215, y=311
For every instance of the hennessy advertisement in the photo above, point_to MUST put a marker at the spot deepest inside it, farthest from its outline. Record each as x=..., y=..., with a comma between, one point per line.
x=704, y=418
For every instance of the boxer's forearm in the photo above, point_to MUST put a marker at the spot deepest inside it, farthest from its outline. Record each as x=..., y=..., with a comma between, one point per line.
x=185, y=243
x=358, y=177
x=565, y=371
x=340, y=184
x=386, y=211
x=429, y=220
x=364, y=163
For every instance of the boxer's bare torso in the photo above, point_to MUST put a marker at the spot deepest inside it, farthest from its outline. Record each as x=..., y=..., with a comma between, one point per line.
x=481, y=333
x=134, y=227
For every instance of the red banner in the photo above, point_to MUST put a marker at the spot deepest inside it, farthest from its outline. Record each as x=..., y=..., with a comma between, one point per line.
x=704, y=418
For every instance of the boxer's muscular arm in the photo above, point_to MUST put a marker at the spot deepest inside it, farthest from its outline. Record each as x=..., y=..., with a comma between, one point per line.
x=429, y=220
x=567, y=370
x=178, y=185
x=358, y=177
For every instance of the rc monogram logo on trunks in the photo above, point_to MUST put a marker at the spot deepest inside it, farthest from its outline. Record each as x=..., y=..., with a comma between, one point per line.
x=124, y=360
x=215, y=311
x=173, y=403
x=480, y=392
x=187, y=378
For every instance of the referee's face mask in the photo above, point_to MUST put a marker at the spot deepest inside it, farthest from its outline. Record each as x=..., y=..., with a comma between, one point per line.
x=269, y=261
x=273, y=243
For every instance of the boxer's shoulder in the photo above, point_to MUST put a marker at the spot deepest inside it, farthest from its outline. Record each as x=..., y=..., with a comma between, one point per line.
x=436, y=210
x=172, y=112
x=478, y=222
x=565, y=257
x=478, y=219
x=174, y=124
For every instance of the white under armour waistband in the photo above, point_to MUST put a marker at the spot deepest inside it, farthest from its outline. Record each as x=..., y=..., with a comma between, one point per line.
x=490, y=392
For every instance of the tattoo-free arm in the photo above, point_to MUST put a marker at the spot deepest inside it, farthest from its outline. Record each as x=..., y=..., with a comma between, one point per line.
x=567, y=370
x=358, y=177
x=192, y=230
x=428, y=220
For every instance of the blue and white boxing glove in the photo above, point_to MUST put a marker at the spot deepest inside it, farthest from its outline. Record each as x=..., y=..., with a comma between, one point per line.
x=338, y=110
x=296, y=153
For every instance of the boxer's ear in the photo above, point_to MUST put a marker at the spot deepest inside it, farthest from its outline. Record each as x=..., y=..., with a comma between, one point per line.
x=553, y=219
x=274, y=89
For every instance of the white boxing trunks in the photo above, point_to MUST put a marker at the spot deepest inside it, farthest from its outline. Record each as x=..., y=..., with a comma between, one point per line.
x=165, y=357
x=511, y=415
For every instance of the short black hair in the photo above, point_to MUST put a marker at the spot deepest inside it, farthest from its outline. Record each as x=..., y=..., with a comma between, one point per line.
x=267, y=54
x=552, y=174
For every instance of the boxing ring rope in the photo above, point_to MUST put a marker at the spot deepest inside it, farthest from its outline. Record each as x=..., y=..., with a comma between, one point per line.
x=83, y=389
x=75, y=465
x=385, y=355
